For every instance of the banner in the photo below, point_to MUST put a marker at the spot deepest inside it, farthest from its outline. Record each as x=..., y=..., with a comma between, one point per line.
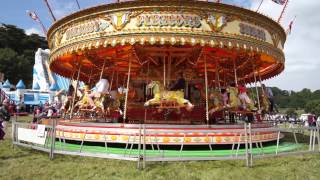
x=31, y=135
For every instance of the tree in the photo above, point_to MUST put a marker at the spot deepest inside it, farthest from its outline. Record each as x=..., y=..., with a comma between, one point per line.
x=313, y=107
x=17, y=53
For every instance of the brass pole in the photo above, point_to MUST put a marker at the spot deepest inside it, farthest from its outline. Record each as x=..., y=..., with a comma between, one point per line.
x=235, y=72
x=206, y=86
x=164, y=72
x=255, y=83
x=111, y=81
x=126, y=98
x=102, y=71
x=75, y=91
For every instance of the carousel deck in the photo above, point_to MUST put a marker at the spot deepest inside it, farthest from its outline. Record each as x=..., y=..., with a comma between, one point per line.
x=164, y=134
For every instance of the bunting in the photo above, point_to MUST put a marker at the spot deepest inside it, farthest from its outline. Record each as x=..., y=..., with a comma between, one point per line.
x=288, y=31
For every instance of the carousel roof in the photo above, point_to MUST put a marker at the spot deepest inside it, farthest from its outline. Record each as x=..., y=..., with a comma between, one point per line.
x=159, y=39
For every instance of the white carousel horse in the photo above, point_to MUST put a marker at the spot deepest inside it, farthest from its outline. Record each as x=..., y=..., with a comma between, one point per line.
x=161, y=94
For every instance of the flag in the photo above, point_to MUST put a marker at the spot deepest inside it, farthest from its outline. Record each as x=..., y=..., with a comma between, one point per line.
x=33, y=16
x=281, y=2
x=290, y=26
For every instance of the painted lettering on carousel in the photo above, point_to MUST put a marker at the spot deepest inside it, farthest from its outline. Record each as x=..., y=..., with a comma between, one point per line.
x=169, y=20
x=86, y=28
x=252, y=31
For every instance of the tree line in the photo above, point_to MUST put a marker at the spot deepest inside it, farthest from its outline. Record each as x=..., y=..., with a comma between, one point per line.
x=17, y=50
x=305, y=99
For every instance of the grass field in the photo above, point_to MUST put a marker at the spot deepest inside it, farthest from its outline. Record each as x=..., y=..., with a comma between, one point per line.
x=22, y=163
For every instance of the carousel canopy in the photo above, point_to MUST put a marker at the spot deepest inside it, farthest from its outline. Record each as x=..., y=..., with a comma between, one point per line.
x=161, y=38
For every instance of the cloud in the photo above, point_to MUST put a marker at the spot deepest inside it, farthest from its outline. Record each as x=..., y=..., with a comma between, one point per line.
x=301, y=49
x=34, y=30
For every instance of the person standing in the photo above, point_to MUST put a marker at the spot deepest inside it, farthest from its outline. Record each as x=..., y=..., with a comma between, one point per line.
x=180, y=84
x=102, y=88
x=4, y=117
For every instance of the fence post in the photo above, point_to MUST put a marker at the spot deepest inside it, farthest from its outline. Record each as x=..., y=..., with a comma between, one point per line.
x=53, y=139
x=314, y=139
x=250, y=145
x=246, y=144
x=13, y=131
x=278, y=141
x=310, y=139
x=139, y=147
x=318, y=136
x=144, y=146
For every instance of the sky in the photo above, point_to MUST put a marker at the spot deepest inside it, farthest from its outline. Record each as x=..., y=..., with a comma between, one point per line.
x=302, y=68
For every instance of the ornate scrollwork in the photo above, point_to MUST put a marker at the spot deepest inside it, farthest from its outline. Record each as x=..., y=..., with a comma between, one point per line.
x=217, y=21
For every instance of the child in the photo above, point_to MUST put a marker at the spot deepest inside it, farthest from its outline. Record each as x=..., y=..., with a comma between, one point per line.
x=246, y=102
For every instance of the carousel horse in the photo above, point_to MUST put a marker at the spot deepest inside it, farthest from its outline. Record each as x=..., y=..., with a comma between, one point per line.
x=250, y=105
x=264, y=103
x=84, y=102
x=234, y=101
x=215, y=102
x=109, y=103
x=161, y=94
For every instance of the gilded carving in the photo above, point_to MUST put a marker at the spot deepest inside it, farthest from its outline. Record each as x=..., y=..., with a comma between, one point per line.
x=217, y=21
x=120, y=19
x=275, y=39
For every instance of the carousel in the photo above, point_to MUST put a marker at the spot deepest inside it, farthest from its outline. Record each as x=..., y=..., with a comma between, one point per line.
x=172, y=66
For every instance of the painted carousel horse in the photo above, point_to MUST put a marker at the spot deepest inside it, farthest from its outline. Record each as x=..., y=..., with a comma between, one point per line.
x=161, y=94
x=215, y=102
x=84, y=102
x=244, y=102
x=264, y=103
x=104, y=103
x=234, y=102
x=110, y=103
x=67, y=103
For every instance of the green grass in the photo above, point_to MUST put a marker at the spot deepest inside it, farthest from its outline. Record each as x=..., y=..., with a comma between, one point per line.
x=23, y=163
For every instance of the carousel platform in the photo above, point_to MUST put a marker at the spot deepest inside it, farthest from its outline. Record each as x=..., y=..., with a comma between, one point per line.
x=195, y=152
x=162, y=134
